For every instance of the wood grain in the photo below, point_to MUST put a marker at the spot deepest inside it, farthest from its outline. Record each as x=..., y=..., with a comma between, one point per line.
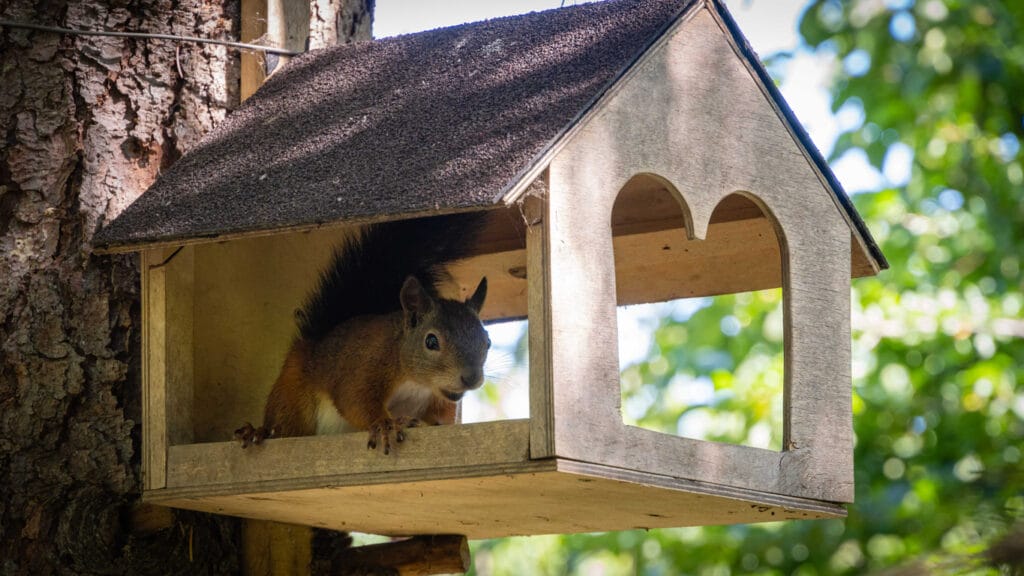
x=716, y=137
x=254, y=27
x=154, y=371
x=179, y=302
x=228, y=465
x=275, y=549
x=542, y=424
x=564, y=497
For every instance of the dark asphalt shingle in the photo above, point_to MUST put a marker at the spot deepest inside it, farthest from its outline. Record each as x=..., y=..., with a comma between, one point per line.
x=440, y=120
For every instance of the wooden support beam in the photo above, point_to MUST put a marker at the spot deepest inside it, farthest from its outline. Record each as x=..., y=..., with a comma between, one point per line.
x=278, y=23
x=254, y=27
x=275, y=549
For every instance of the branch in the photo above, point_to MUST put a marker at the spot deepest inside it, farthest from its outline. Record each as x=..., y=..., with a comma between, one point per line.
x=417, y=556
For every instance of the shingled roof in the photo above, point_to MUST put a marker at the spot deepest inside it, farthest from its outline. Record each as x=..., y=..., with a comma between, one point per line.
x=435, y=121
x=439, y=121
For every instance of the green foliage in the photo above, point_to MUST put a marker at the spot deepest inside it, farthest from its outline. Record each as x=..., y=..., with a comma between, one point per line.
x=938, y=339
x=713, y=374
x=939, y=354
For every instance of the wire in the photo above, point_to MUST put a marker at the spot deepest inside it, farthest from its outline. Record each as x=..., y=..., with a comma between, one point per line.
x=239, y=45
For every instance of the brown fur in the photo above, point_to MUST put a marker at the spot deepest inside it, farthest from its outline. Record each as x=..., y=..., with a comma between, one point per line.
x=363, y=363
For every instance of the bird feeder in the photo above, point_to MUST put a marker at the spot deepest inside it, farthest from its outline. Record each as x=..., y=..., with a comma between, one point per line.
x=582, y=130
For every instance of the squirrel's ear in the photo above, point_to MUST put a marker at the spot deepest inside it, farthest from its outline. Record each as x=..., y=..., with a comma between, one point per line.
x=476, y=301
x=415, y=300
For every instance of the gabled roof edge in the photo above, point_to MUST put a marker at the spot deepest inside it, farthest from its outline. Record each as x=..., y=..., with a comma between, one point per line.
x=522, y=181
x=801, y=136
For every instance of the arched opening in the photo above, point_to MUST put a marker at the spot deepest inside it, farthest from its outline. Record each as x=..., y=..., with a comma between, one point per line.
x=700, y=322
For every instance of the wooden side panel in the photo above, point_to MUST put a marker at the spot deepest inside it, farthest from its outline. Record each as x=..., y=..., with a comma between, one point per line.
x=246, y=295
x=709, y=136
x=179, y=303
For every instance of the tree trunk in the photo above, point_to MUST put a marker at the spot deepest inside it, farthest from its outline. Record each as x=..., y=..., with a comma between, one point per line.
x=339, y=21
x=87, y=123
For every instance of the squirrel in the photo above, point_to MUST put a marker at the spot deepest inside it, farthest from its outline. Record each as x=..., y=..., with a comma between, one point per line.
x=378, y=349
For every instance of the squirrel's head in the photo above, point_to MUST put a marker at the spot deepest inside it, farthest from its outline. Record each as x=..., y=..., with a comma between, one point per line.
x=444, y=344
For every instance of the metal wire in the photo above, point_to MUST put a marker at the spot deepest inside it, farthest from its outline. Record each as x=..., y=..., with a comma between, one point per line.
x=58, y=30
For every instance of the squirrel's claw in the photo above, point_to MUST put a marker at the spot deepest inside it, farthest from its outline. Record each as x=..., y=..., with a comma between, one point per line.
x=249, y=435
x=384, y=429
x=380, y=428
x=401, y=423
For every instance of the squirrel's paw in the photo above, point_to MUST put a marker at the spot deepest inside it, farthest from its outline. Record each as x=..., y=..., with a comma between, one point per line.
x=248, y=435
x=382, y=431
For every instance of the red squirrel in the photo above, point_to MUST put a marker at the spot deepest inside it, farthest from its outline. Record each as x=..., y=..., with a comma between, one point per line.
x=378, y=348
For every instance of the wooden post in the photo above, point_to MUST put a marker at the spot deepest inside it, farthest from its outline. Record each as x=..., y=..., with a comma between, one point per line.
x=542, y=423
x=272, y=548
x=275, y=549
x=278, y=23
x=254, y=26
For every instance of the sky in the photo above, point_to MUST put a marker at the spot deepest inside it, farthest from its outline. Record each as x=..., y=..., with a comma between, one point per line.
x=770, y=26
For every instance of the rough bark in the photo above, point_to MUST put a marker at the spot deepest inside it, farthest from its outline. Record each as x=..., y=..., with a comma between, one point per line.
x=339, y=21
x=86, y=124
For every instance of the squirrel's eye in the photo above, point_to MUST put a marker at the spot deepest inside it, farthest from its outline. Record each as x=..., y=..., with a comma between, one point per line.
x=432, y=342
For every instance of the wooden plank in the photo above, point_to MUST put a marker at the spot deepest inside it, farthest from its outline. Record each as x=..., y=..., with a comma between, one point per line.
x=154, y=371
x=737, y=257
x=283, y=459
x=859, y=266
x=574, y=498
x=275, y=549
x=245, y=322
x=583, y=335
x=542, y=416
x=650, y=267
x=701, y=461
x=507, y=284
x=818, y=392
x=167, y=357
x=254, y=27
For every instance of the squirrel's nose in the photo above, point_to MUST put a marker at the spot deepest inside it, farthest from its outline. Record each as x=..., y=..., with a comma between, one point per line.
x=472, y=380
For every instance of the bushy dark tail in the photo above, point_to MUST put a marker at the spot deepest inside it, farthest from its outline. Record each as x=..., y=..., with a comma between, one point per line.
x=365, y=277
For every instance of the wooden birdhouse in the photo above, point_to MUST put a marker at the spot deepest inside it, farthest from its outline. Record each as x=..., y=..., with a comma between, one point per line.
x=629, y=151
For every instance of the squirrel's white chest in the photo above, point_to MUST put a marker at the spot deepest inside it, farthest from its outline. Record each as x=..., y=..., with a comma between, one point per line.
x=410, y=399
